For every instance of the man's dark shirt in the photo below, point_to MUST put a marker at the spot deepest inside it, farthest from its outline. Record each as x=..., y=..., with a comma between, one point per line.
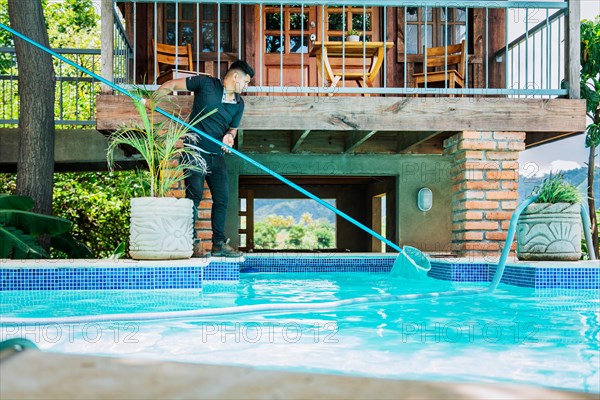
x=208, y=95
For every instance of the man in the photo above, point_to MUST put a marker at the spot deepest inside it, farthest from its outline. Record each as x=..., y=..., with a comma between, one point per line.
x=210, y=93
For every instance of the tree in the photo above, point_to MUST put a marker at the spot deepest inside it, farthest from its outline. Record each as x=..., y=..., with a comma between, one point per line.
x=265, y=235
x=35, y=162
x=590, y=88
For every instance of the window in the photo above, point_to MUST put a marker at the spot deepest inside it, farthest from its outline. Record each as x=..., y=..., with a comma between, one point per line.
x=181, y=20
x=341, y=20
x=440, y=26
x=286, y=38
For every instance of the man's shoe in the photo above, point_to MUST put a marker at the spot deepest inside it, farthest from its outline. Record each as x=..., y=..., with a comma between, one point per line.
x=198, y=250
x=223, y=249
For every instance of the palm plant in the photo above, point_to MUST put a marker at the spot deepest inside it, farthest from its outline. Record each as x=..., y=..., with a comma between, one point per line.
x=158, y=141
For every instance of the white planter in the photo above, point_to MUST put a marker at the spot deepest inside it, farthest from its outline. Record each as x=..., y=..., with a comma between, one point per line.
x=161, y=228
x=352, y=38
x=549, y=232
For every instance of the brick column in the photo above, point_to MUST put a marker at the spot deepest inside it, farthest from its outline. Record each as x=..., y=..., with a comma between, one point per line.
x=203, y=228
x=484, y=189
x=203, y=225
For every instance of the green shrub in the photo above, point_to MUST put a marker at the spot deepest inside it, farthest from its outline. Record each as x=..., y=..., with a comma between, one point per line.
x=555, y=189
x=584, y=245
x=325, y=235
x=97, y=203
x=296, y=236
x=265, y=235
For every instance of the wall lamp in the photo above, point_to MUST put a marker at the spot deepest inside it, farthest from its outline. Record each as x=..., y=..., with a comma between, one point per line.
x=425, y=199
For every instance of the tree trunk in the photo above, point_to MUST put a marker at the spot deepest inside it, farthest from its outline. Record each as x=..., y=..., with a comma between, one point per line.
x=35, y=162
x=592, y=206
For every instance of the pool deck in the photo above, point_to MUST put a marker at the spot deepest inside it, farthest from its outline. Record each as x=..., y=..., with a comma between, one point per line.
x=33, y=374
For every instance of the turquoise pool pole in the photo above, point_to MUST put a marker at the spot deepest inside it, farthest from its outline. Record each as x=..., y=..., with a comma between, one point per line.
x=510, y=236
x=585, y=219
x=342, y=214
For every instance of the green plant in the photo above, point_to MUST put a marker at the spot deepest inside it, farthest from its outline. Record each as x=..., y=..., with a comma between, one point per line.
x=158, y=142
x=555, y=189
x=325, y=235
x=296, y=236
x=20, y=228
x=96, y=203
x=353, y=32
x=265, y=235
x=585, y=254
x=590, y=91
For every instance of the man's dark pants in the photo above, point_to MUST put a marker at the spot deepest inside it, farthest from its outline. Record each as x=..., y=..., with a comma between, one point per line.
x=218, y=183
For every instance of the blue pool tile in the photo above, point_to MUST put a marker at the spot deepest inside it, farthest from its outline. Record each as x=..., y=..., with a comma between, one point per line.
x=190, y=277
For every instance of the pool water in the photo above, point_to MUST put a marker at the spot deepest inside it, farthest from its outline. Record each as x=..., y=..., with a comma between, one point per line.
x=544, y=337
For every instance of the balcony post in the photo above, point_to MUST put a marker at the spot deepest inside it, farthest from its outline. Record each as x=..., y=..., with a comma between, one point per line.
x=107, y=43
x=573, y=41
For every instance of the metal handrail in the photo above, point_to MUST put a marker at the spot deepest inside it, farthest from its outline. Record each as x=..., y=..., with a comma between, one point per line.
x=538, y=28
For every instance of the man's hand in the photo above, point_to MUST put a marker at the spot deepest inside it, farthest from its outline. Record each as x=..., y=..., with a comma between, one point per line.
x=147, y=103
x=228, y=140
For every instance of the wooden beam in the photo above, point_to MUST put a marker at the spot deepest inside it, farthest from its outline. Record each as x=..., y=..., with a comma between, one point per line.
x=573, y=41
x=354, y=140
x=69, y=153
x=383, y=114
x=534, y=139
x=409, y=140
x=297, y=139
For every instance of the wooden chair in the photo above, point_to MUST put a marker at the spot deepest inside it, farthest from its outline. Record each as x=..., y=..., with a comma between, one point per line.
x=444, y=57
x=172, y=62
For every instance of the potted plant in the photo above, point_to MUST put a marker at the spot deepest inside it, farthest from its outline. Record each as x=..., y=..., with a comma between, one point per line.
x=353, y=35
x=161, y=225
x=550, y=228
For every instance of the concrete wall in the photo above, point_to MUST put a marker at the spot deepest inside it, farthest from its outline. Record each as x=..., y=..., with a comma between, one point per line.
x=429, y=231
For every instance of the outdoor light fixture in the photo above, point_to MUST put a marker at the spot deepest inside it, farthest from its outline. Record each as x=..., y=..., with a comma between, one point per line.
x=425, y=199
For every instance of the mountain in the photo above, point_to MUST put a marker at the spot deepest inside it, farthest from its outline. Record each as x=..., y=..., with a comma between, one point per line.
x=577, y=177
x=293, y=207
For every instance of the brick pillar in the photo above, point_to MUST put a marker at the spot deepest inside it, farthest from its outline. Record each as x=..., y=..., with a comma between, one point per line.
x=484, y=189
x=203, y=228
x=203, y=225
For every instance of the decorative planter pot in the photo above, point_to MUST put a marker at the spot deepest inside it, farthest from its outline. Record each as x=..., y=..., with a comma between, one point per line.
x=161, y=228
x=352, y=38
x=549, y=232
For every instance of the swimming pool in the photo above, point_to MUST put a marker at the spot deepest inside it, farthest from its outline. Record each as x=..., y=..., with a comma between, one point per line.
x=545, y=337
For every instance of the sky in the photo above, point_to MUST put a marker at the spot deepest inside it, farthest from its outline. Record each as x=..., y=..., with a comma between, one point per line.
x=563, y=154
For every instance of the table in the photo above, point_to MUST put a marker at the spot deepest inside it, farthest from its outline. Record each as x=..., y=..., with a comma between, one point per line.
x=373, y=52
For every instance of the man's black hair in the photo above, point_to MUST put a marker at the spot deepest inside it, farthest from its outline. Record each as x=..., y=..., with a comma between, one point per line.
x=242, y=66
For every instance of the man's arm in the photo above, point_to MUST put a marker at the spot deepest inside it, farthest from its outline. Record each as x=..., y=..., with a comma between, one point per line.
x=167, y=88
x=229, y=138
x=170, y=86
